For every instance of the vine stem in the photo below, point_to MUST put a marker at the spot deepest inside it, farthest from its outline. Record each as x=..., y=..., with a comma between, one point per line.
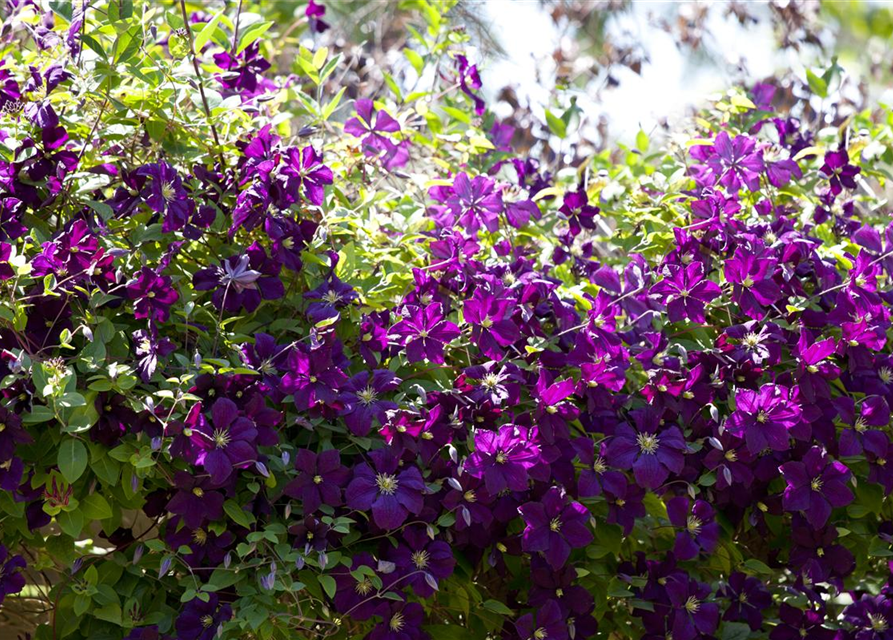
x=201, y=84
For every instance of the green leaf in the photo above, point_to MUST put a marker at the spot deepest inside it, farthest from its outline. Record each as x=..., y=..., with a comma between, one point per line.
x=497, y=607
x=251, y=34
x=237, y=514
x=817, y=84
x=72, y=459
x=329, y=109
x=328, y=585
x=106, y=469
x=39, y=413
x=556, y=124
x=110, y=613
x=417, y=62
x=205, y=34
x=642, y=141
x=95, y=507
x=735, y=631
x=71, y=522
x=757, y=566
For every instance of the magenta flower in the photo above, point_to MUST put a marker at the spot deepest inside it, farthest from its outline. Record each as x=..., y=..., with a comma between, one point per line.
x=242, y=281
x=691, y=612
x=735, y=161
x=372, y=126
x=763, y=418
x=686, y=291
x=312, y=376
x=424, y=332
x=319, y=481
x=226, y=443
x=492, y=327
x=153, y=295
x=475, y=204
x=503, y=458
x=391, y=494
x=305, y=173
x=697, y=532
x=578, y=212
x=314, y=13
x=816, y=485
x=554, y=526
x=166, y=195
x=839, y=171
x=362, y=400
x=652, y=450
x=751, y=273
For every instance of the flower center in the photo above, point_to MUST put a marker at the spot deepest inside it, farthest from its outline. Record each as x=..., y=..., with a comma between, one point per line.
x=599, y=465
x=470, y=496
x=555, y=525
x=387, y=483
x=748, y=282
x=692, y=605
x=423, y=333
x=207, y=621
x=816, y=484
x=363, y=586
x=167, y=191
x=731, y=455
x=222, y=438
x=332, y=297
x=762, y=417
x=860, y=425
x=742, y=598
x=397, y=622
x=490, y=381
x=420, y=559
x=367, y=396
x=317, y=479
x=885, y=374
x=648, y=443
x=486, y=323
x=694, y=525
x=501, y=458
x=540, y=634
x=878, y=622
x=199, y=536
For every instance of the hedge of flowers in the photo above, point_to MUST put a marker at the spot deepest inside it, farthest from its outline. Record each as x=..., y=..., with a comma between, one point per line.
x=282, y=363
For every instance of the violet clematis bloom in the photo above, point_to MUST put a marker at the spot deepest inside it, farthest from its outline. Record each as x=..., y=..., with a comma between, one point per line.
x=305, y=173
x=596, y=476
x=12, y=580
x=839, y=171
x=195, y=500
x=314, y=13
x=735, y=161
x=391, y=494
x=796, y=624
x=312, y=376
x=319, y=481
x=199, y=620
x=651, y=450
x=153, y=295
x=870, y=617
x=423, y=561
x=371, y=126
x=166, y=195
x=686, y=291
x=554, y=526
x=698, y=533
x=546, y=621
x=816, y=485
x=748, y=599
x=226, y=443
x=503, y=458
x=242, y=281
x=469, y=82
x=400, y=621
x=424, y=332
x=475, y=203
x=579, y=213
x=692, y=614
x=492, y=327
x=361, y=397
x=751, y=274
x=763, y=418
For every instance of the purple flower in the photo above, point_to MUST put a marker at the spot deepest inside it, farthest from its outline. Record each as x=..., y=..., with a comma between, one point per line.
x=736, y=161
x=469, y=82
x=503, y=458
x=199, y=620
x=12, y=580
x=816, y=485
x=554, y=526
x=747, y=599
x=546, y=622
x=698, y=531
x=391, y=494
x=289, y=238
x=751, y=274
x=474, y=203
x=841, y=173
x=148, y=348
x=242, y=280
x=195, y=501
x=226, y=443
x=243, y=74
x=763, y=418
x=686, y=291
x=651, y=450
x=312, y=376
x=305, y=172
x=320, y=479
x=596, y=476
x=371, y=126
x=491, y=325
x=871, y=617
x=314, y=13
x=422, y=561
x=361, y=397
x=330, y=296
x=400, y=621
x=424, y=332
x=578, y=212
x=796, y=624
x=166, y=195
x=692, y=615
x=153, y=294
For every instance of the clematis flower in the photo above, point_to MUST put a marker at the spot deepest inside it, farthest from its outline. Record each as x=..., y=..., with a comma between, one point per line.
x=796, y=624
x=12, y=580
x=686, y=292
x=546, y=621
x=354, y=588
x=195, y=500
x=391, y=494
x=319, y=481
x=226, y=443
x=361, y=397
x=502, y=458
x=839, y=171
x=764, y=418
x=305, y=173
x=165, y=194
x=400, y=621
x=492, y=327
x=651, y=450
x=751, y=275
x=747, y=598
x=289, y=238
x=596, y=476
x=153, y=295
x=242, y=281
x=312, y=376
x=148, y=348
x=475, y=203
x=372, y=126
x=424, y=332
x=423, y=561
x=243, y=73
x=554, y=526
x=735, y=161
x=816, y=485
x=692, y=613
x=469, y=82
x=575, y=208
x=199, y=620
x=314, y=13
x=698, y=530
